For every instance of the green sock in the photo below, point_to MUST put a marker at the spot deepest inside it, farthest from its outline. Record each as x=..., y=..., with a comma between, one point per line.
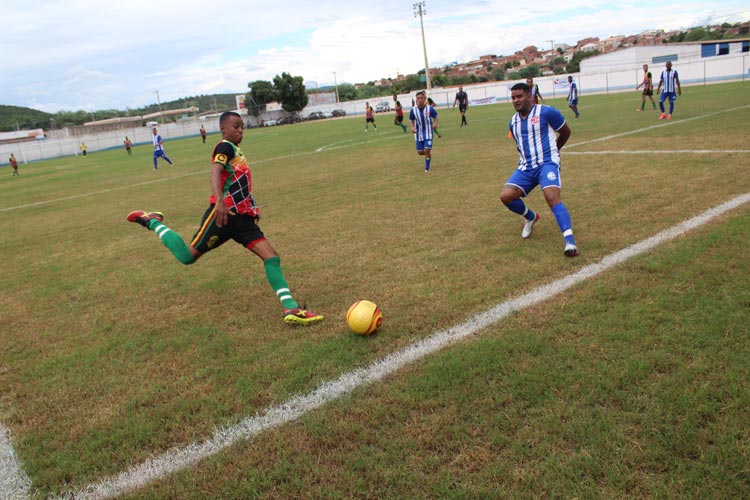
x=172, y=241
x=276, y=279
x=643, y=104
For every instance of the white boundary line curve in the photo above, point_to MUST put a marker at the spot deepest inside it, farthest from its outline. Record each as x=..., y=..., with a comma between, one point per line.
x=661, y=152
x=172, y=461
x=14, y=483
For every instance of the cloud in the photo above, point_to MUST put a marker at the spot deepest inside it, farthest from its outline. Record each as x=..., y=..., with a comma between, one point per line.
x=80, y=54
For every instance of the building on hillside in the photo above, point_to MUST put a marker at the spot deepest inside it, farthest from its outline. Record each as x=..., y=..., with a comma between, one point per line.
x=587, y=41
x=611, y=44
x=589, y=47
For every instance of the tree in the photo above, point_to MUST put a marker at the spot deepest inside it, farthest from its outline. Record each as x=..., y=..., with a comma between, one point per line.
x=440, y=80
x=558, y=65
x=368, y=91
x=531, y=70
x=290, y=91
x=498, y=75
x=347, y=92
x=261, y=93
x=696, y=34
x=574, y=65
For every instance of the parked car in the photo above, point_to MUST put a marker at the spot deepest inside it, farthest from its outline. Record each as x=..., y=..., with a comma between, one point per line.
x=383, y=107
x=315, y=115
x=270, y=123
x=327, y=114
x=290, y=118
x=338, y=112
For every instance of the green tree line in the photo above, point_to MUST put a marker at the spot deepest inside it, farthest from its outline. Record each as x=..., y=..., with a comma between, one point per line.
x=20, y=118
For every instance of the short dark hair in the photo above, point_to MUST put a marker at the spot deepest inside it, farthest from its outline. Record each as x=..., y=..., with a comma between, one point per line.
x=521, y=86
x=227, y=115
x=421, y=92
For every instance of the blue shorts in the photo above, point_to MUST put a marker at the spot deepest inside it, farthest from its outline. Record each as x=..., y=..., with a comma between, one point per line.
x=672, y=96
x=547, y=175
x=158, y=153
x=422, y=145
x=572, y=102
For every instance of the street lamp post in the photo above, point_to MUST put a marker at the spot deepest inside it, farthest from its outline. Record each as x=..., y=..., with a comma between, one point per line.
x=159, y=102
x=419, y=10
x=336, y=86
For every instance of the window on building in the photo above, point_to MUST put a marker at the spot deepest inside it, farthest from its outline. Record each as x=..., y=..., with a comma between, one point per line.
x=663, y=59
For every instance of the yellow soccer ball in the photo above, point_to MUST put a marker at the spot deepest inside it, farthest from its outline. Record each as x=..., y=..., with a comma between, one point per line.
x=364, y=317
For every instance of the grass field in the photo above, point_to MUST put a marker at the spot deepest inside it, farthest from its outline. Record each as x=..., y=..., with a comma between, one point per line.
x=633, y=384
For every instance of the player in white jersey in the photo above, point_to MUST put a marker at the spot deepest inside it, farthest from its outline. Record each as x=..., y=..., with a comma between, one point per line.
x=540, y=132
x=573, y=96
x=159, y=149
x=671, y=82
x=424, y=121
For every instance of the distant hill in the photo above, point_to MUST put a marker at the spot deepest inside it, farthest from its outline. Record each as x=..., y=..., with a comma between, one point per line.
x=18, y=118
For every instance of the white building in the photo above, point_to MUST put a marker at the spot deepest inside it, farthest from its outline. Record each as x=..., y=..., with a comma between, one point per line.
x=656, y=55
x=695, y=62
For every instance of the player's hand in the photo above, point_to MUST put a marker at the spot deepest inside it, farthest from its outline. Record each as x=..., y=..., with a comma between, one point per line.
x=222, y=214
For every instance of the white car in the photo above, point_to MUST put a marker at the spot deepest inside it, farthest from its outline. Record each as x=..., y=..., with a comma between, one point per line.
x=383, y=107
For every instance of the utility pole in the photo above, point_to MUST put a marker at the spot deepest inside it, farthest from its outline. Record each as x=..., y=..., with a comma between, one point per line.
x=551, y=44
x=336, y=85
x=159, y=102
x=419, y=10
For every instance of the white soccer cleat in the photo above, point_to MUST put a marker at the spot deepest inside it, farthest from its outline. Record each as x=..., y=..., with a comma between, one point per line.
x=529, y=226
x=571, y=250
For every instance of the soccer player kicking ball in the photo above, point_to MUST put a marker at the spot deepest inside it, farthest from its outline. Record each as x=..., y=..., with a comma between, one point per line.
x=232, y=214
x=540, y=133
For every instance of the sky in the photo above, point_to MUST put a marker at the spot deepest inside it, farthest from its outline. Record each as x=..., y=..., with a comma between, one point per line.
x=68, y=55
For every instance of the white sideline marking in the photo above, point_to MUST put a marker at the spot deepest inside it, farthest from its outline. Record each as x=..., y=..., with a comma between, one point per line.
x=14, y=483
x=160, y=466
x=644, y=129
x=662, y=152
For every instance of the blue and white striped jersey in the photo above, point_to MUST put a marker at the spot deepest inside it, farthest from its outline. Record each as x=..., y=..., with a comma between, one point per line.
x=668, y=80
x=422, y=119
x=536, y=136
x=157, y=140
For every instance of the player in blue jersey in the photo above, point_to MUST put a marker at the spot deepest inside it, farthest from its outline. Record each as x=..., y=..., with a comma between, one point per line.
x=159, y=149
x=672, y=89
x=540, y=133
x=573, y=96
x=424, y=121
